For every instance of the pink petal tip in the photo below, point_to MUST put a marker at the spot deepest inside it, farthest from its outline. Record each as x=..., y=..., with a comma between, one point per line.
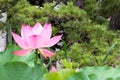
x=21, y=52
x=53, y=69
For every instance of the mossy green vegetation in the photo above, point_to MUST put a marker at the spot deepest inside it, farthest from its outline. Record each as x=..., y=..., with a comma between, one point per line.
x=85, y=31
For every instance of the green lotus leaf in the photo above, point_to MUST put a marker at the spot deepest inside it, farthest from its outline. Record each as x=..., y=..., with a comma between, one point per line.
x=103, y=72
x=7, y=56
x=96, y=73
x=60, y=75
x=79, y=76
x=21, y=71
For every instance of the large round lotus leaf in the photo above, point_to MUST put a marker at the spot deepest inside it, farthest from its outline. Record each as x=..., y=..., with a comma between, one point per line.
x=96, y=73
x=21, y=71
x=8, y=56
x=79, y=76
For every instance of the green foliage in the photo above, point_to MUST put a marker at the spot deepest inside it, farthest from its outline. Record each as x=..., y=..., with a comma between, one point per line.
x=7, y=4
x=109, y=52
x=92, y=7
x=10, y=66
x=96, y=73
x=8, y=56
x=68, y=18
x=86, y=42
x=86, y=73
x=66, y=64
x=110, y=7
x=21, y=13
x=79, y=76
x=61, y=75
x=102, y=72
x=21, y=71
x=94, y=51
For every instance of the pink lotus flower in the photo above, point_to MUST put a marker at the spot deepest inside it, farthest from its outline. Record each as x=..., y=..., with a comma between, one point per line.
x=36, y=37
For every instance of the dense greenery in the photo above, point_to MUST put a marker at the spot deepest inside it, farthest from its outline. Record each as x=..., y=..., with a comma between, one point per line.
x=109, y=8
x=88, y=44
x=85, y=35
x=23, y=68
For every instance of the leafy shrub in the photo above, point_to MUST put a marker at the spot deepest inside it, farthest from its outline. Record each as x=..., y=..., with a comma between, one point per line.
x=94, y=52
x=87, y=42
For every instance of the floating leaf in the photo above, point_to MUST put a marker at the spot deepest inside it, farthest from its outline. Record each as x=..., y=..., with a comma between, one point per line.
x=60, y=75
x=96, y=73
x=7, y=56
x=79, y=76
x=21, y=71
x=103, y=72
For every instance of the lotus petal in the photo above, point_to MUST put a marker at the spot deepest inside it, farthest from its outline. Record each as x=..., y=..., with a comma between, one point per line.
x=21, y=52
x=53, y=41
x=20, y=41
x=46, y=33
x=45, y=53
x=26, y=31
x=35, y=41
x=37, y=29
